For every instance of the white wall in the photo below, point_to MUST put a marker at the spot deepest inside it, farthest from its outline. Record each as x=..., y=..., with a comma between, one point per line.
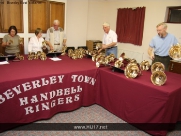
x=106, y=10
x=77, y=14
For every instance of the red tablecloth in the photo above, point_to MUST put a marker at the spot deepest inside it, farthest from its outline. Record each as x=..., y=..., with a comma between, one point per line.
x=138, y=100
x=33, y=89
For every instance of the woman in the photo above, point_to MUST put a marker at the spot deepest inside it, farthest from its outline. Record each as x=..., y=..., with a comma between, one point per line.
x=12, y=41
x=36, y=42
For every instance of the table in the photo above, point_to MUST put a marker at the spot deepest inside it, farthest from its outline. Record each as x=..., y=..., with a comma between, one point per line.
x=140, y=102
x=34, y=90
x=31, y=90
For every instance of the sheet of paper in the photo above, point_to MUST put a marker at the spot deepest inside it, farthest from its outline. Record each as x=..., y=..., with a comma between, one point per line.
x=4, y=62
x=55, y=59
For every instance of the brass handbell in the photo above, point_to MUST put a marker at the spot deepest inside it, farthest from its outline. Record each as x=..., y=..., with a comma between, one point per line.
x=145, y=65
x=157, y=66
x=64, y=48
x=98, y=46
x=175, y=52
x=158, y=78
x=20, y=41
x=10, y=41
x=132, y=70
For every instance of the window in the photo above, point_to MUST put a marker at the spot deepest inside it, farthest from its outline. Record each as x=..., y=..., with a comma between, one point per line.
x=173, y=14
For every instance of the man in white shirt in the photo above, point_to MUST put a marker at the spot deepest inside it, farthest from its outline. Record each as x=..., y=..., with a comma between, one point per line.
x=109, y=42
x=56, y=36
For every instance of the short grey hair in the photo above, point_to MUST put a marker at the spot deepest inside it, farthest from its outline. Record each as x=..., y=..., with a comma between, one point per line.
x=56, y=22
x=105, y=24
x=162, y=24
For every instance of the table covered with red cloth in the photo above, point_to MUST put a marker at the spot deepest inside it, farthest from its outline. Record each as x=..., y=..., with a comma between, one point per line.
x=31, y=90
x=138, y=101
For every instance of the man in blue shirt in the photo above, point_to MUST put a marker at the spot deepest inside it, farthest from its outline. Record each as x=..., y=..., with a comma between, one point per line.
x=160, y=45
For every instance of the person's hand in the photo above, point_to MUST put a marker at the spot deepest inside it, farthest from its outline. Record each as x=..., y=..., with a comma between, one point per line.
x=99, y=50
x=64, y=44
x=152, y=56
x=51, y=48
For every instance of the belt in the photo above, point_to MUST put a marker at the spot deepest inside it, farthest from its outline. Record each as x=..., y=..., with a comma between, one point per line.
x=57, y=44
x=161, y=56
x=112, y=47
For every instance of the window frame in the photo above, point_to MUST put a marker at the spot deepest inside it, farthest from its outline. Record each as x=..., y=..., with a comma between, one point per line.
x=169, y=14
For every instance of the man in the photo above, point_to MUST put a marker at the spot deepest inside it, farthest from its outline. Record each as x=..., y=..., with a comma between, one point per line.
x=109, y=42
x=160, y=45
x=56, y=36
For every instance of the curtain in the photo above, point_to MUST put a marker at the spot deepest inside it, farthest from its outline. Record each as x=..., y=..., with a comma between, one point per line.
x=130, y=25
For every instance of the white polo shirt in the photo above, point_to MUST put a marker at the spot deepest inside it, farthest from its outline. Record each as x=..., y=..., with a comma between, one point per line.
x=110, y=37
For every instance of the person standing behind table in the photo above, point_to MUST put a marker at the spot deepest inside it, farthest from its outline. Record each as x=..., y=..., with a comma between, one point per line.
x=36, y=42
x=56, y=36
x=160, y=45
x=109, y=41
x=11, y=42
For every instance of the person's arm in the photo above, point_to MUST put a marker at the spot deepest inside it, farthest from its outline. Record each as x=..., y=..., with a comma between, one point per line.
x=64, y=42
x=5, y=42
x=151, y=53
x=109, y=45
x=49, y=44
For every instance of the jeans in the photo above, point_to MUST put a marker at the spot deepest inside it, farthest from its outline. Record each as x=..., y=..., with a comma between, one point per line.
x=112, y=50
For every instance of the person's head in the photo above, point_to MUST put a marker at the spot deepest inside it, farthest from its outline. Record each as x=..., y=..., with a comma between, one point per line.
x=56, y=24
x=161, y=29
x=38, y=32
x=12, y=30
x=106, y=27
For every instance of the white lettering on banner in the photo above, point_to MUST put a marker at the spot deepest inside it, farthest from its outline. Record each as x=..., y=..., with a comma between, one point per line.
x=36, y=84
x=82, y=78
x=60, y=101
x=60, y=78
x=53, y=80
x=49, y=105
x=28, y=86
x=37, y=108
x=8, y=94
x=18, y=91
x=23, y=101
x=52, y=94
x=44, y=96
x=44, y=82
x=66, y=91
x=2, y=99
x=34, y=99
x=45, y=106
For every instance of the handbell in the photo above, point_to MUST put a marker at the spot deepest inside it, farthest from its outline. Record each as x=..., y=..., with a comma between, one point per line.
x=157, y=66
x=145, y=65
x=132, y=70
x=175, y=52
x=158, y=78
